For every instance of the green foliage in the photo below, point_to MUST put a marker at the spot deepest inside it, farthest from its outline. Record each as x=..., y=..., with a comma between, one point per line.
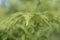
x=33, y=20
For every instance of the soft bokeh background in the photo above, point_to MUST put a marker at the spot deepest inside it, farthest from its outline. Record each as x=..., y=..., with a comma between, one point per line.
x=29, y=19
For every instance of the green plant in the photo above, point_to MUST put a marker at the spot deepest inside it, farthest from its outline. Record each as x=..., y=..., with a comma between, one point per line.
x=29, y=23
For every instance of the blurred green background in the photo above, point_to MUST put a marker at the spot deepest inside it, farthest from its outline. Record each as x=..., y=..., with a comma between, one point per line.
x=29, y=19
